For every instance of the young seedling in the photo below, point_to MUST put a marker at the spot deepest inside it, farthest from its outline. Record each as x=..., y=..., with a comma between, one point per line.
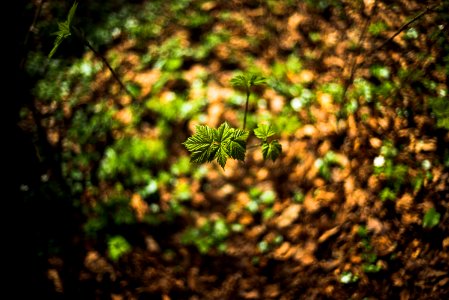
x=226, y=142
x=246, y=82
x=66, y=29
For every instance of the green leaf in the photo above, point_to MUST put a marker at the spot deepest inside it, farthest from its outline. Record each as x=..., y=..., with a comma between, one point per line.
x=208, y=144
x=431, y=218
x=222, y=136
x=271, y=150
x=64, y=30
x=223, y=133
x=387, y=194
x=347, y=277
x=264, y=131
x=247, y=81
x=202, y=145
x=72, y=13
x=240, y=81
x=256, y=80
x=117, y=246
x=237, y=144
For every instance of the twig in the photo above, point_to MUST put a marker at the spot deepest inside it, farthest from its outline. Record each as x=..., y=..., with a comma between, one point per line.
x=103, y=59
x=355, y=65
x=404, y=26
x=254, y=146
x=36, y=16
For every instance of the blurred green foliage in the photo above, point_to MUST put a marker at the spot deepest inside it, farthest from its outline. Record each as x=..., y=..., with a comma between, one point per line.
x=431, y=218
x=211, y=234
x=105, y=161
x=326, y=163
x=117, y=246
x=377, y=28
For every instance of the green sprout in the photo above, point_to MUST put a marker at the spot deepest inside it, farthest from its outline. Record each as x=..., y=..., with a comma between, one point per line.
x=64, y=29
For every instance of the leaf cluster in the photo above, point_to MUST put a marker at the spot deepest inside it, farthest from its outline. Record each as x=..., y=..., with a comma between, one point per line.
x=247, y=81
x=209, y=143
x=270, y=150
x=63, y=29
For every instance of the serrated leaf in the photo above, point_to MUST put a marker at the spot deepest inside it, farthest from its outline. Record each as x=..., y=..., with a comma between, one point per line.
x=223, y=133
x=237, y=144
x=256, y=80
x=247, y=81
x=239, y=81
x=208, y=144
x=264, y=131
x=222, y=156
x=221, y=137
x=228, y=146
x=202, y=144
x=271, y=150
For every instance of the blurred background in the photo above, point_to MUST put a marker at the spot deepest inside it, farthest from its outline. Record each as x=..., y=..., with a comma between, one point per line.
x=356, y=206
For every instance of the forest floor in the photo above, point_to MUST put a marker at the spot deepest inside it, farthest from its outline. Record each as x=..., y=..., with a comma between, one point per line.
x=322, y=221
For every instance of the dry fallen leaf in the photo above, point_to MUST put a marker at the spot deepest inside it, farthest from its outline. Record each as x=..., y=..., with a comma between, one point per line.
x=328, y=233
x=404, y=203
x=139, y=205
x=288, y=216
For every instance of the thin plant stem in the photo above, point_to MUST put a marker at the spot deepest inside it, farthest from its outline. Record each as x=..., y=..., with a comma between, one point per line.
x=404, y=26
x=246, y=108
x=356, y=65
x=103, y=59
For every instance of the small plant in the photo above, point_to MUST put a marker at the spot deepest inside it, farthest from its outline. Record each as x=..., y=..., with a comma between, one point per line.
x=209, y=144
x=380, y=72
x=269, y=243
x=440, y=109
x=261, y=201
x=326, y=163
x=377, y=28
x=424, y=175
x=431, y=218
x=117, y=246
x=369, y=256
x=348, y=277
x=411, y=34
x=211, y=234
x=393, y=174
x=66, y=29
